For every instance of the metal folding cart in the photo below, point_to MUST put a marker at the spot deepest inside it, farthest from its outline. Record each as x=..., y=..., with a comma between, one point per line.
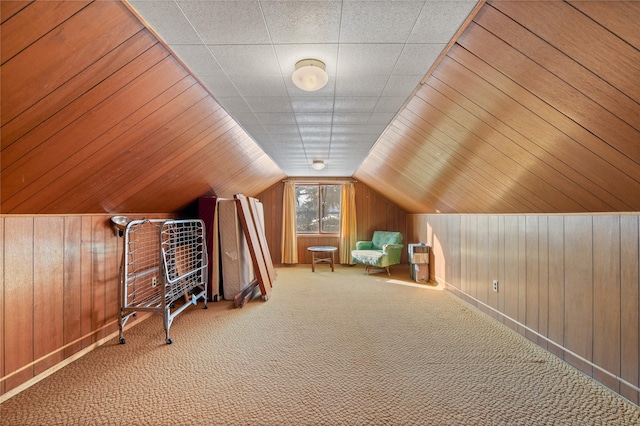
x=163, y=260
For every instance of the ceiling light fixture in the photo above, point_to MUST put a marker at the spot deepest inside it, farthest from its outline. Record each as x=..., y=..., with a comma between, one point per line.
x=318, y=164
x=310, y=75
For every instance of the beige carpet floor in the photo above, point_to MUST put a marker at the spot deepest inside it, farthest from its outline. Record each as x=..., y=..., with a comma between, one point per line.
x=339, y=348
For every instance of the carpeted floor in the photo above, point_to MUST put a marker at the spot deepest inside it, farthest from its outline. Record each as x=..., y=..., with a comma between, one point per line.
x=339, y=348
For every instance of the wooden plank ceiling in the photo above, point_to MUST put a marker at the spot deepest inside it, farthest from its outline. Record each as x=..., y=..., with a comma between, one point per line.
x=535, y=108
x=98, y=116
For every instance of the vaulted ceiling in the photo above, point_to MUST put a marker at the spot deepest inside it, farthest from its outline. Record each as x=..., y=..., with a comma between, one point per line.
x=244, y=52
x=532, y=107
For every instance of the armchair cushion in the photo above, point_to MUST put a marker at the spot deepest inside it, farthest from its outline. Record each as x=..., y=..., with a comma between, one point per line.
x=384, y=249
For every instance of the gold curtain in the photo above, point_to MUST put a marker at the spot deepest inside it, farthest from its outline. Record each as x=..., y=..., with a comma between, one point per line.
x=348, y=229
x=289, y=239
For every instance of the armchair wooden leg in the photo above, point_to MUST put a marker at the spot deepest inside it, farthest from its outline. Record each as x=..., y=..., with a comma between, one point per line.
x=387, y=268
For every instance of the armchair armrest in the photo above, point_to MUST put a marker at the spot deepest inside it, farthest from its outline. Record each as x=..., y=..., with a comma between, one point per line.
x=391, y=248
x=364, y=245
x=393, y=252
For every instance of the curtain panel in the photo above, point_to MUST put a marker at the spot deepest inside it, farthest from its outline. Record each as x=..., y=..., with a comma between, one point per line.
x=289, y=249
x=348, y=230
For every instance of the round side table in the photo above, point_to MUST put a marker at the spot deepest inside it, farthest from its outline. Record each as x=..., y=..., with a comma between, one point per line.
x=321, y=249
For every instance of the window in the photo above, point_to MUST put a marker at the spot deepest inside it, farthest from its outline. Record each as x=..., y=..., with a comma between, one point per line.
x=318, y=208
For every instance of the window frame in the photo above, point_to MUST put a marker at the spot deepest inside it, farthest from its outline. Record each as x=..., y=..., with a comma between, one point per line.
x=319, y=185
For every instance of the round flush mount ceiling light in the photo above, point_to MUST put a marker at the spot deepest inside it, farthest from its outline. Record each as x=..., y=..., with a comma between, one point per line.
x=310, y=75
x=318, y=164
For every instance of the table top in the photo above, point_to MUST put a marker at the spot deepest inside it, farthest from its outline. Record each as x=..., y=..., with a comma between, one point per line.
x=322, y=248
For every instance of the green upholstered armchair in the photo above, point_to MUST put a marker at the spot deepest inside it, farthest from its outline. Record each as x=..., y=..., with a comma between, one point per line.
x=384, y=249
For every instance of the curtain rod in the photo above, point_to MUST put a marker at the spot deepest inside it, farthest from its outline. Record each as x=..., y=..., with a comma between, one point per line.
x=323, y=181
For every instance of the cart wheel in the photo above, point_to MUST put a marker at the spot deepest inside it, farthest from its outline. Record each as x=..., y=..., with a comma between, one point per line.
x=122, y=341
x=169, y=341
x=205, y=307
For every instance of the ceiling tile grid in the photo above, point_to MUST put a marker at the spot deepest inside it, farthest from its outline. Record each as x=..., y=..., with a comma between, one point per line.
x=376, y=53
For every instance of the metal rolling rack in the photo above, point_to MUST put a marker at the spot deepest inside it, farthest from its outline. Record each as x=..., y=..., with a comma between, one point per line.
x=163, y=260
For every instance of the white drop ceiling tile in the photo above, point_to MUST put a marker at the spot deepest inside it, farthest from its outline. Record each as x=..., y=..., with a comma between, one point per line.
x=264, y=141
x=286, y=140
x=234, y=105
x=273, y=144
x=313, y=118
x=220, y=86
x=255, y=130
x=269, y=104
x=351, y=118
x=341, y=164
x=378, y=21
x=295, y=166
x=416, y=59
x=316, y=152
x=381, y=118
x=292, y=168
x=303, y=21
x=361, y=152
x=440, y=20
x=367, y=59
x=375, y=129
x=241, y=59
x=345, y=154
x=390, y=104
x=227, y=22
x=198, y=58
x=354, y=139
x=342, y=144
x=315, y=104
x=276, y=117
x=259, y=85
x=348, y=164
x=346, y=151
x=294, y=155
x=246, y=118
x=307, y=130
x=356, y=86
x=401, y=85
x=350, y=129
x=284, y=129
x=341, y=170
x=307, y=171
x=296, y=161
x=166, y=18
x=323, y=139
x=355, y=103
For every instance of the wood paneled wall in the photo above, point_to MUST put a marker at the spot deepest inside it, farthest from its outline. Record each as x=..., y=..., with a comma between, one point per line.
x=99, y=116
x=534, y=109
x=573, y=279
x=373, y=212
x=58, y=290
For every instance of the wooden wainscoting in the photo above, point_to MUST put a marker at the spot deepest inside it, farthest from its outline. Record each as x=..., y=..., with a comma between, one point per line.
x=306, y=241
x=58, y=293
x=569, y=283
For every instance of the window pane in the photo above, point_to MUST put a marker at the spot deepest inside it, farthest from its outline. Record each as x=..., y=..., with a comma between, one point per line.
x=307, y=209
x=331, y=195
